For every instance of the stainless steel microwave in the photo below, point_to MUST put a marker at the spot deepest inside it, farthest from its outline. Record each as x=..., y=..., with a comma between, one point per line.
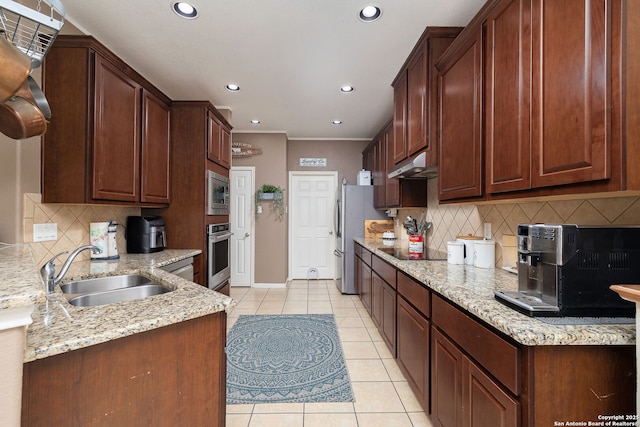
x=217, y=194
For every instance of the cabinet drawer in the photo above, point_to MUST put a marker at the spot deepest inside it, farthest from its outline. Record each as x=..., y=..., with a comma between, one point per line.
x=384, y=270
x=363, y=253
x=415, y=293
x=500, y=358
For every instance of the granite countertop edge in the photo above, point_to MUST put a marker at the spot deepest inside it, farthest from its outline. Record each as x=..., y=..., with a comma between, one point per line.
x=472, y=289
x=59, y=327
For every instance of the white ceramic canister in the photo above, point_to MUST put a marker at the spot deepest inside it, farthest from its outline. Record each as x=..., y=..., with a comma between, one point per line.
x=98, y=236
x=485, y=253
x=455, y=252
x=469, y=250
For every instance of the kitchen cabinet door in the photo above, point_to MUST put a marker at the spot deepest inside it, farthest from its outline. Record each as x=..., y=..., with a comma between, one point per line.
x=379, y=173
x=156, y=154
x=116, y=147
x=365, y=284
x=507, y=97
x=446, y=381
x=377, y=284
x=460, y=173
x=485, y=402
x=417, y=99
x=388, y=321
x=571, y=93
x=219, y=142
x=399, y=147
x=413, y=350
x=392, y=190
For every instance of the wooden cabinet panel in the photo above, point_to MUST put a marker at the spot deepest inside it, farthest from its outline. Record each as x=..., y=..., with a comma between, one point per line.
x=110, y=129
x=415, y=293
x=137, y=380
x=225, y=147
x=571, y=91
x=377, y=284
x=507, y=111
x=213, y=138
x=116, y=144
x=392, y=191
x=156, y=156
x=379, y=173
x=400, y=119
x=413, y=350
x=446, y=381
x=417, y=99
x=460, y=171
x=499, y=357
x=388, y=323
x=384, y=270
x=485, y=403
x=365, y=286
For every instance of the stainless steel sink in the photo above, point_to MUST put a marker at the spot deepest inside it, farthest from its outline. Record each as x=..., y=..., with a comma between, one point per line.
x=101, y=284
x=118, y=295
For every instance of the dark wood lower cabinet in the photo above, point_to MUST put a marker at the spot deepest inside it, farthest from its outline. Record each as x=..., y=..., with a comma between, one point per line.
x=389, y=298
x=170, y=376
x=413, y=350
x=365, y=284
x=446, y=381
x=484, y=402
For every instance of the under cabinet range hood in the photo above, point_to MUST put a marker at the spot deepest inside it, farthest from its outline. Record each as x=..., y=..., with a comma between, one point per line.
x=415, y=168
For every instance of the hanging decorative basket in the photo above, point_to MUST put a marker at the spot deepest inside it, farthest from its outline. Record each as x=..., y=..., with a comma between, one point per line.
x=31, y=31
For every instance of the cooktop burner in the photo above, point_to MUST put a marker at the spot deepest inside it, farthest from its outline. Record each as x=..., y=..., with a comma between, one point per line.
x=403, y=254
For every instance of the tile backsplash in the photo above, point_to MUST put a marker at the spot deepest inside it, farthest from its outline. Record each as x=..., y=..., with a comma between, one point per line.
x=73, y=225
x=452, y=220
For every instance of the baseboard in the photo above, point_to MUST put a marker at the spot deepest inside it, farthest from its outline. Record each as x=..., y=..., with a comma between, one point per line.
x=269, y=285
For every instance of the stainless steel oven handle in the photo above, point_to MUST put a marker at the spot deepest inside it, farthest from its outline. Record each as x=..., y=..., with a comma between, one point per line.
x=218, y=237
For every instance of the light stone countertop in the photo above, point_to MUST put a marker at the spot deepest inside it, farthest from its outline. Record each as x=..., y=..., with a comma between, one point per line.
x=472, y=289
x=59, y=327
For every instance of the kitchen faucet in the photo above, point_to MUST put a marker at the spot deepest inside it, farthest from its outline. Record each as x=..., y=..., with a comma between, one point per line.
x=48, y=271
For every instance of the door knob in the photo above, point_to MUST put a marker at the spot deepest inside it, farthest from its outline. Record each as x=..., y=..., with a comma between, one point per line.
x=330, y=233
x=246, y=235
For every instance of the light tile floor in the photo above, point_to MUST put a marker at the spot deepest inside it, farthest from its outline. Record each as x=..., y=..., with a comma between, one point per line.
x=383, y=397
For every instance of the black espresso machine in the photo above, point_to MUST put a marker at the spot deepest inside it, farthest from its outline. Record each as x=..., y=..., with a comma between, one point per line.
x=566, y=270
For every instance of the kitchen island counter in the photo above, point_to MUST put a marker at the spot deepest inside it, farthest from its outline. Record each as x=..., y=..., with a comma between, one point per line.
x=59, y=327
x=472, y=289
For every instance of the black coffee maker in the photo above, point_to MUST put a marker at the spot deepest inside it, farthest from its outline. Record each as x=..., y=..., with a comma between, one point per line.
x=145, y=234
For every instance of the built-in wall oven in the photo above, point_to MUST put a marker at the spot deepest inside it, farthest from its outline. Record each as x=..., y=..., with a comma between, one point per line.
x=218, y=255
x=217, y=194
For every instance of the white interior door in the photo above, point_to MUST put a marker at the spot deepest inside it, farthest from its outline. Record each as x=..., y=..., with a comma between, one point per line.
x=242, y=225
x=311, y=238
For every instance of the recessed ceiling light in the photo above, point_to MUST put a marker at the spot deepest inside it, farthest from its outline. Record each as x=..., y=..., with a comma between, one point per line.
x=255, y=122
x=337, y=122
x=232, y=88
x=184, y=10
x=347, y=89
x=370, y=13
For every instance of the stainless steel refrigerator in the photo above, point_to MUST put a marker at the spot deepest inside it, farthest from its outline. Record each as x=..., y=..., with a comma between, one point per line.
x=353, y=206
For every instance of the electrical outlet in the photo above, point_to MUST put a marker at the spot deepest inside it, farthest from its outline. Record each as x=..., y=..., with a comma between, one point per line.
x=45, y=232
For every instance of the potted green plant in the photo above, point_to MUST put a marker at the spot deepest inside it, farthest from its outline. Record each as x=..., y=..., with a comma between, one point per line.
x=273, y=193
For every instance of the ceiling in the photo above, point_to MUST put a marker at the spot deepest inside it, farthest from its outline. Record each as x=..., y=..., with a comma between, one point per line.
x=289, y=57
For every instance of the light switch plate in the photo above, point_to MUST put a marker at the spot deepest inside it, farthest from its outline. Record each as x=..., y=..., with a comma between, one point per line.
x=45, y=232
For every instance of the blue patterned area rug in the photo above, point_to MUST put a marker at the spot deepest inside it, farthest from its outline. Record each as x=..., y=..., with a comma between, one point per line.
x=286, y=358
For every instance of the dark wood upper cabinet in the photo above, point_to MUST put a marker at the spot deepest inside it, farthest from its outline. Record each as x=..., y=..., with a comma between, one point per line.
x=507, y=97
x=108, y=139
x=414, y=101
x=571, y=91
x=156, y=155
x=219, y=141
x=460, y=172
